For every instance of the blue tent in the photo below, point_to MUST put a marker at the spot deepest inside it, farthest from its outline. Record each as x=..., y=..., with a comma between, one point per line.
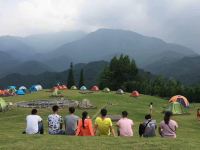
x=11, y=87
x=20, y=92
x=33, y=88
x=83, y=88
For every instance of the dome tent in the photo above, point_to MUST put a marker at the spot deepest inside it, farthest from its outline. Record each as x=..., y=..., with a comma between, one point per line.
x=35, y=88
x=22, y=88
x=73, y=87
x=107, y=90
x=3, y=105
x=135, y=94
x=20, y=92
x=176, y=108
x=95, y=88
x=83, y=88
x=11, y=87
x=120, y=91
x=181, y=99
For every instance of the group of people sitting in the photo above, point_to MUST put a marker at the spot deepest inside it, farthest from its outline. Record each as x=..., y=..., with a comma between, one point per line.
x=73, y=125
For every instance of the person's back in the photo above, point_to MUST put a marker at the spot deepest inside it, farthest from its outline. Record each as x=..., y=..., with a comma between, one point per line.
x=104, y=124
x=33, y=122
x=168, y=126
x=150, y=130
x=71, y=122
x=55, y=122
x=125, y=125
x=85, y=126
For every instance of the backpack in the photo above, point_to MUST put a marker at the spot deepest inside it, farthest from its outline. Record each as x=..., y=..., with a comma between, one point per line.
x=142, y=128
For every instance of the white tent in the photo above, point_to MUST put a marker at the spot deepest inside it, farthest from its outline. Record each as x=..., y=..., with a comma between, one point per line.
x=22, y=88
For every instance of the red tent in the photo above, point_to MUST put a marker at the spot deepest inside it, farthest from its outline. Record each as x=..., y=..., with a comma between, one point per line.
x=95, y=88
x=135, y=94
x=64, y=86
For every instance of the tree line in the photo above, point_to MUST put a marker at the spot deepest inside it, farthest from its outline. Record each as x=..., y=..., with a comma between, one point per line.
x=122, y=72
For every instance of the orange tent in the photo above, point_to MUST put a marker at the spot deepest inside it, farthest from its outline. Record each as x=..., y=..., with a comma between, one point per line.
x=181, y=99
x=135, y=94
x=95, y=88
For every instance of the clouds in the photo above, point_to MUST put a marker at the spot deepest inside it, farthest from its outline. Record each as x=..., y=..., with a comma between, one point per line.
x=175, y=21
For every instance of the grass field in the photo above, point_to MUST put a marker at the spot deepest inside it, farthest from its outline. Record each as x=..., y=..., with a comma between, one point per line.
x=12, y=123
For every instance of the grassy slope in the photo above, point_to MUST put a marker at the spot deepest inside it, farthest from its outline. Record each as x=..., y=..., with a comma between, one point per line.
x=13, y=123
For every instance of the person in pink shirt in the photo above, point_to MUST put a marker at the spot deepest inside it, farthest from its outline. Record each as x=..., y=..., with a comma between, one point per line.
x=125, y=125
x=168, y=126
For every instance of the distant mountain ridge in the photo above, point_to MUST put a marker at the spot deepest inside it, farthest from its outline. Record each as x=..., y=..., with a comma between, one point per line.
x=152, y=54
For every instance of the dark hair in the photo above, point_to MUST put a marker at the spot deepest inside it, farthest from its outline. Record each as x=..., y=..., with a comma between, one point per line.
x=103, y=112
x=55, y=108
x=71, y=110
x=34, y=111
x=148, y=116
x=167, y=117
x=84, y=116
x=151, y=103
x=124, y=113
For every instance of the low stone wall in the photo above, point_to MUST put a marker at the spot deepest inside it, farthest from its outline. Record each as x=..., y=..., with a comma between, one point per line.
x=84, y=104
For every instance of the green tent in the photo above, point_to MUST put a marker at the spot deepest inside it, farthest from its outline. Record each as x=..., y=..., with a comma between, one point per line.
x=73, y=87
x=107, y=90
x=3, y=105
x=176, y=108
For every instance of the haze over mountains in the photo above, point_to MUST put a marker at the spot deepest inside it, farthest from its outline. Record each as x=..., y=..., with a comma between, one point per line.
x=57, y=50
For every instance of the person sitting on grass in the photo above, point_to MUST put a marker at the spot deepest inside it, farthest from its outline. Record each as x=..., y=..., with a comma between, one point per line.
x=55, y=122
x=125, y=125
x=103, y=124
x=85, y=126
x=168, y=126
x=71, y=122
x=150, y=126
x=34, y=123
x=198, y=114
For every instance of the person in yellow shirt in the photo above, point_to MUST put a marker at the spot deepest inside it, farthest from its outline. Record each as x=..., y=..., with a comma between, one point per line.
x=103, y=124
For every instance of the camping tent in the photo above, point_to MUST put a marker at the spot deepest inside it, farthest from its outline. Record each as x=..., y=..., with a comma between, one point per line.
x=120, y=91
x=73, y=87
x=35, y=88
x=11, y=87
x=135, y=94
x=107, y=90
x=3, y=105
x=22, y=88
x=20, y=92
x=176, y=108
x=83, y=88
x=181, y=99
x=64, y=87
x=95, y=88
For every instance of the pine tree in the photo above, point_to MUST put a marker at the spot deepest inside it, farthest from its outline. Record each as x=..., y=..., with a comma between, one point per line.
x=81, y=81
x=71, y=80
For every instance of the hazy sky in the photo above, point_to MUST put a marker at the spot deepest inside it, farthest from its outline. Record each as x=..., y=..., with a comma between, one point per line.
x=173, y=20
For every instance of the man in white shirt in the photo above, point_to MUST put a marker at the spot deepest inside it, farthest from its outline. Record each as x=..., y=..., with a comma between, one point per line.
x=34, y=123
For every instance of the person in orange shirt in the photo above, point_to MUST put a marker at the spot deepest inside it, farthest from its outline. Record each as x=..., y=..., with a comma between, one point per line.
x=85, y=126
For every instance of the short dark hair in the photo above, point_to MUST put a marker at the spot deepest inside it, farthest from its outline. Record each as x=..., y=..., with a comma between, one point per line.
x=55, y=108
x=103, y=112
x=151, y=103
x=34, y=111
x=71, y=110
x=124, y=113
x=148, y=116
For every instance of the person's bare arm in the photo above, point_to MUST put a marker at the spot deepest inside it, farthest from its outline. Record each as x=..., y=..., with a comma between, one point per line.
x=112, y=130
x=95, y=129
x=160, y=131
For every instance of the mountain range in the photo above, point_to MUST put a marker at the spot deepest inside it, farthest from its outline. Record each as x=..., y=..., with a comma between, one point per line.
x=53, y=52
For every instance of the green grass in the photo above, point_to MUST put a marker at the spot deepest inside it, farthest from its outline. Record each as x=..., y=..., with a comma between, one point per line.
x=13, y=123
